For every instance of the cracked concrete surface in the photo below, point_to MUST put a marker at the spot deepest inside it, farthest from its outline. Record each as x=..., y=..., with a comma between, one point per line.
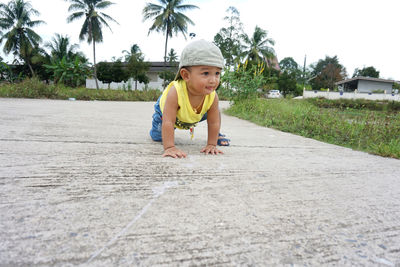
x=81, y=183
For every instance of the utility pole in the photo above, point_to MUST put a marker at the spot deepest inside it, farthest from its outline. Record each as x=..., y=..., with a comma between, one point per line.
x=304, y=72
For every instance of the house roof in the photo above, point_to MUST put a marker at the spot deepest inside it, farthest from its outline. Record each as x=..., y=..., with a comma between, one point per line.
x=159, y=65
x=365, y=79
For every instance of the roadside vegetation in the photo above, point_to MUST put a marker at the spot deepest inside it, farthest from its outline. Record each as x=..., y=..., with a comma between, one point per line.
x=361, y=125
x=33, y=88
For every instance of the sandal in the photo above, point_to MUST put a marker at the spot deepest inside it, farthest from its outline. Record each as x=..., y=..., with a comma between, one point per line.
x=222, y=141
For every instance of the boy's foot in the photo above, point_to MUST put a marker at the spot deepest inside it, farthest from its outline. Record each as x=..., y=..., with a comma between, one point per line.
x=222, y=141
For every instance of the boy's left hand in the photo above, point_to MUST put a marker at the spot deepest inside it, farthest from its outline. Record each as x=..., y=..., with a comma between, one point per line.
x=211, y=149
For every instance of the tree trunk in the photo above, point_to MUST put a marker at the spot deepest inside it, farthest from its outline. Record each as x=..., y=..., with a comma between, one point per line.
x=94, y=64
x=31, y=69
x=27, y=60
x=165, y=50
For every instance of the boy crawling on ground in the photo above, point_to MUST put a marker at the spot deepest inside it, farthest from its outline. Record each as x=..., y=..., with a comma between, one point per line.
x=191, y=98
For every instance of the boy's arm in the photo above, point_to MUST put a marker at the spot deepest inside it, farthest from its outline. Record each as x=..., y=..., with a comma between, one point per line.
x=168, y=125
x=214, y=124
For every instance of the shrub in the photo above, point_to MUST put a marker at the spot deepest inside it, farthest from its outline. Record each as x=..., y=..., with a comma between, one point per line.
x=243, y=83
x=355, y=104
x=33, y=88
x=29, y=88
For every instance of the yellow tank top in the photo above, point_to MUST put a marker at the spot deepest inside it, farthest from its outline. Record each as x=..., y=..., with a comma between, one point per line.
x=186, y=117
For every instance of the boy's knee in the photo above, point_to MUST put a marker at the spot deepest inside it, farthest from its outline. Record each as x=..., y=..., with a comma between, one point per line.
x=155, y=135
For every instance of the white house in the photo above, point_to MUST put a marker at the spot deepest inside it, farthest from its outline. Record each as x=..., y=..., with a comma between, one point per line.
x=360, y=88
x=366, y=85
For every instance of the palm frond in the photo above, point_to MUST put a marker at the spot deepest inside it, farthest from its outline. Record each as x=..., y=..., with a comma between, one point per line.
x=75, y=7
x=186, y=7
x=183, y=19
x=104, y=4
x=35, y=23
x=151, y=10
x=75, y=16
x=33, y=37
x=85, y=32
x=102, y=21
x=109, y=18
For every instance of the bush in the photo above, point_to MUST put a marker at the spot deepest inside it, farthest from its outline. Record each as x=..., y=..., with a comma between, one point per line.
x=33, y=88
x=243, y=83
x=28, y=88
x=355, y=104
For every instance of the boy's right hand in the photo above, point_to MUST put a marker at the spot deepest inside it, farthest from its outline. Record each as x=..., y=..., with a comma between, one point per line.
x=174, y=153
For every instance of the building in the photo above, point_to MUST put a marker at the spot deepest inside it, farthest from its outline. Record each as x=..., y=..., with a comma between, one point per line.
x=366, y=85
x=153, y=73
x=156, y=68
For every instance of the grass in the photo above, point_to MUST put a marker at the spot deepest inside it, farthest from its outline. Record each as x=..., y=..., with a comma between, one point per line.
x=369, y=127
x=33, y=88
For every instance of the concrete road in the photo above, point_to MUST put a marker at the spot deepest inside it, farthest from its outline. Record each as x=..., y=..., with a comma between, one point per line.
x=81, y=183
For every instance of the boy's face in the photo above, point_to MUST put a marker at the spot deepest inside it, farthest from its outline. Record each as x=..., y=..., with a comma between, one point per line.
x=201, y=80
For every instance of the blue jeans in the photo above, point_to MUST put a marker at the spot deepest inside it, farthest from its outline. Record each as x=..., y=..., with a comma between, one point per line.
x=155, y=132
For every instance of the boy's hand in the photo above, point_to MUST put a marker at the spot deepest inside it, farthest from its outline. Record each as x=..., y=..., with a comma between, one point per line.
x=211, y=149
x=174, y=152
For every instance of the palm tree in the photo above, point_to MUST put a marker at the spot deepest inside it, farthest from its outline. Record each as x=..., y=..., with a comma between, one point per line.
x=257, y=47
x=172, y=56
x=18, y=36
x=134, y=51
x=168, y=18
x=60, y=47
x=94, y=20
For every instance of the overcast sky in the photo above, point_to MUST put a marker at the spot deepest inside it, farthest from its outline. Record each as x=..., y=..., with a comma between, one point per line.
x=361, y=33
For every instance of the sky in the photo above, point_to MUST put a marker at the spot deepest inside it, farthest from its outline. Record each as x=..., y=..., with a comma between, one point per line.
x=361, y=33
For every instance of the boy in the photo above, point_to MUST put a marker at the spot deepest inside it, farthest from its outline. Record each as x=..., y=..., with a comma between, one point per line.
x=191, y=98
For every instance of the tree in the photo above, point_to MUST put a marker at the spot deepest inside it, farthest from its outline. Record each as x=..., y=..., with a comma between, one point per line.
x=168, y=18
x=287, y=83
x=19, y=38
x=326, y=72
x=172, y=56
x=168, y=74
x=289, y=65
x=257, y=47
x=64, y=54
x=92, y=26
x=228, y=38
x=134, y=51
x=68, y=72
x=5, y=72
x=60, y=46
x=104, y=72
x=109, y=72
x=39, y=57
x=366, y=72
x=137, y=69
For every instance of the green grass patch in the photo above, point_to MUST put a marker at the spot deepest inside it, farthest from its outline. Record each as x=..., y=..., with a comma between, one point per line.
x=374, y=130
x=33, y=88
x=360, y=104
